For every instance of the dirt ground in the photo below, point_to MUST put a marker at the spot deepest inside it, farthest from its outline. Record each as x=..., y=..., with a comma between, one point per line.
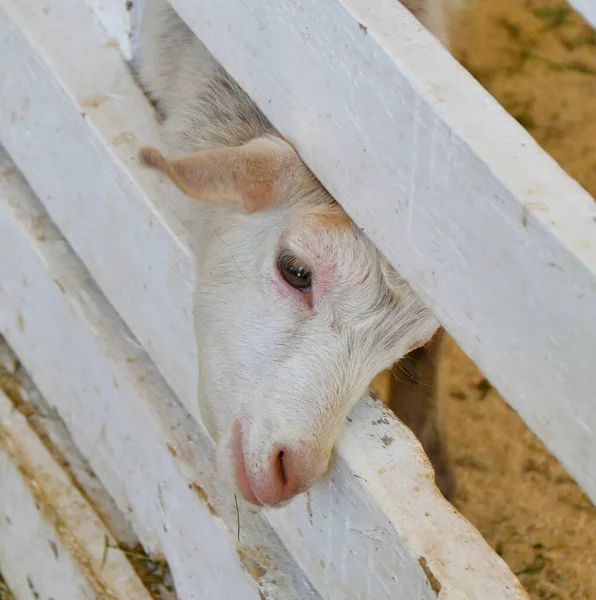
x=538, y=58
x=4, y=591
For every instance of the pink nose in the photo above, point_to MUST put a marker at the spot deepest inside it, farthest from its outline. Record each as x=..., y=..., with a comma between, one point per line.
x=288, y=472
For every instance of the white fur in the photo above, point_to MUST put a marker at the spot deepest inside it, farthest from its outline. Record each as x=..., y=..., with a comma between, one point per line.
x=289, y=373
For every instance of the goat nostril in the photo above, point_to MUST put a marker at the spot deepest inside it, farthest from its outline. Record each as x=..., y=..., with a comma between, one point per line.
x=282, y=469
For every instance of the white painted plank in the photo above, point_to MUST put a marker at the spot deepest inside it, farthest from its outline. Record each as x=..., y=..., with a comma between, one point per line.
x=52, y=543
x=367, y=531
x=149, y=453
x=99, y=122
x=49, y=427
x=345, y=531
x=43, y=418
x=494, y=237
x=119, y=18
x=587, y=8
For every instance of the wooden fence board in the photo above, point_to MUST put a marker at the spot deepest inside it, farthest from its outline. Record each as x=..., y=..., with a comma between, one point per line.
x=52, y=543
x=587, y=8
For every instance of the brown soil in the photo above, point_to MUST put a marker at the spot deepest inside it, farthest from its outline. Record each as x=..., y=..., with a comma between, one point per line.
x=517, y=495
x=4, y=591
x=538, y=58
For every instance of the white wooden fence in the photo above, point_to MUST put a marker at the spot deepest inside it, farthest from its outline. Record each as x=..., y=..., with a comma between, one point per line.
x=96, y=292
x=587, y=8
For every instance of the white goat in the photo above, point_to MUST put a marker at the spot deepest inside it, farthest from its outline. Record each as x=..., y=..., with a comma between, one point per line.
x=295, y=311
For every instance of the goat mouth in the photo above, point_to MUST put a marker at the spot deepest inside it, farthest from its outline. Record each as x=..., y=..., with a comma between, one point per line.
x=242, y=480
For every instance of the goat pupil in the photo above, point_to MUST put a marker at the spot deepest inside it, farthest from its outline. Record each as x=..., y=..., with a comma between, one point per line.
x=296, y=274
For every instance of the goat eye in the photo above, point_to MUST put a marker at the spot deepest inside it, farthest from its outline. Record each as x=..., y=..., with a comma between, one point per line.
x=297, y=274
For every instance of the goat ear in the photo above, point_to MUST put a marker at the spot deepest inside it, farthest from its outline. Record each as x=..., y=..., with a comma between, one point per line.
x=254, y=176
